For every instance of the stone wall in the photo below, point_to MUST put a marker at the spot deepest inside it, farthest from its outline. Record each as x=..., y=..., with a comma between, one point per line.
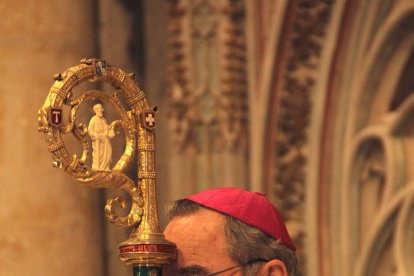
x=49, y=225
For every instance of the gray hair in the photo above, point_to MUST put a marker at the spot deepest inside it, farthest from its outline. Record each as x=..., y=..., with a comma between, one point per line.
x=245, y=243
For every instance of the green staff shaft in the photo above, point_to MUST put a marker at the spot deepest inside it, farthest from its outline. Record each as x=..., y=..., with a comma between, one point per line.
x=147, y=271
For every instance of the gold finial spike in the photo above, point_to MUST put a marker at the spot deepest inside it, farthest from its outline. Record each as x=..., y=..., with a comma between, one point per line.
x=57, y=77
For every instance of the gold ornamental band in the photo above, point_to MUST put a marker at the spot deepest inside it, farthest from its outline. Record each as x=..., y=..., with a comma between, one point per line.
x=142, y=175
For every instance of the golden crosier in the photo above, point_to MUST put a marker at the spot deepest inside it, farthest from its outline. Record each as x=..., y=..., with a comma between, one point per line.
x=146, y=245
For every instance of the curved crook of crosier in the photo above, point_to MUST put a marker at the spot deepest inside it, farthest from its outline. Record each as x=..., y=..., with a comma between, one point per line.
x=50, y=118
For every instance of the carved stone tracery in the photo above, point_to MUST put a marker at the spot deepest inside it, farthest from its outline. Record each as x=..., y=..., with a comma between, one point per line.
x=293, y=106
x=207, y=72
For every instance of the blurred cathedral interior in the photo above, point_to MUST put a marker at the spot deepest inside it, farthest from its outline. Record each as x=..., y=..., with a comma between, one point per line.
x=307, y=101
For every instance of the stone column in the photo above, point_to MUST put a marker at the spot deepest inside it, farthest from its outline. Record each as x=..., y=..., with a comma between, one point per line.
x=50, y=224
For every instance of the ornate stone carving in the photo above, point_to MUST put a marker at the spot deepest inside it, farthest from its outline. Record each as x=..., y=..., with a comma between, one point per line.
x=207, y=72
x=293, y=106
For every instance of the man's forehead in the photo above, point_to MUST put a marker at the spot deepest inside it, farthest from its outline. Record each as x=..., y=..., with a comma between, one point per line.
x=204, y=222
x=198, y=236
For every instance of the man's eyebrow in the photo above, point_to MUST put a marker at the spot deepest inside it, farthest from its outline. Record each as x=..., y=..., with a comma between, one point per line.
x=192, y=269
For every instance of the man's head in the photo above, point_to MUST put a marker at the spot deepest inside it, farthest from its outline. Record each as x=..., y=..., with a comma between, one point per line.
x=98, y=109
x=230, y=228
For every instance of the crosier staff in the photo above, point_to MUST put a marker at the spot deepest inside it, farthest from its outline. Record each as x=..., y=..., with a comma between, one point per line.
x=146, y=249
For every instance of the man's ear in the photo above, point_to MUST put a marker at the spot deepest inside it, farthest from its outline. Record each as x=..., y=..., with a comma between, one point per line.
x=275, y=268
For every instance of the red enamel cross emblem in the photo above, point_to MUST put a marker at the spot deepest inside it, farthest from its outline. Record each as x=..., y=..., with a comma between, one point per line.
x=148, y=119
